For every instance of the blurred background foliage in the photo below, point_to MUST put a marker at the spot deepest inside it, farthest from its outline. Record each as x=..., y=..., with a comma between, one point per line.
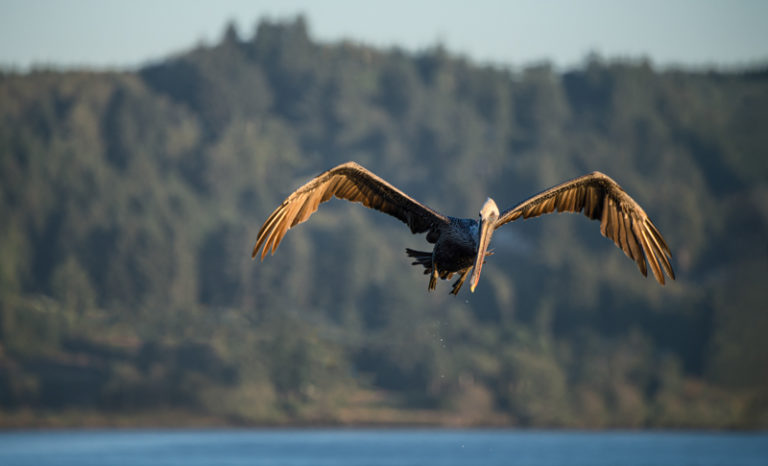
x=130, y=202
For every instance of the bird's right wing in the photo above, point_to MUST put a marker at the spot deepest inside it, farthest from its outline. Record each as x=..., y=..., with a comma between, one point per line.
x=621, y=218
x=354, y=183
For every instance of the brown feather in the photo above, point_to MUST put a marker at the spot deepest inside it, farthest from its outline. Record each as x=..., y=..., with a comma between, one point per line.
x=622, y=219
x=635, y=253
x=641, y=258
x=651, y=257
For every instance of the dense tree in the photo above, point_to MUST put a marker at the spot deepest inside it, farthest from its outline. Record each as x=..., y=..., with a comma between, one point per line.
x=130, y=202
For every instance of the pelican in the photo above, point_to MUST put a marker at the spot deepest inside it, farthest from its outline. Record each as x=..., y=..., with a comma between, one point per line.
x=461, y=244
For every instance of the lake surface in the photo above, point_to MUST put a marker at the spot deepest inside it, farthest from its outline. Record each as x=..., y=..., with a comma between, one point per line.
x=373, y=447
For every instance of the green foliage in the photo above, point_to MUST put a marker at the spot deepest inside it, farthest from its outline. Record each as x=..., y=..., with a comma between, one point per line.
x=130, y=203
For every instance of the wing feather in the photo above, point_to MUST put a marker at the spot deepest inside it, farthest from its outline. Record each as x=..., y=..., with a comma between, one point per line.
x=640, y=258
x=354, y=183
x=635, y=251
x=622, y=220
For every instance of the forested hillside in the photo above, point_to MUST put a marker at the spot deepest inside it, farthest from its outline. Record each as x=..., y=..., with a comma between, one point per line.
x=130, y=202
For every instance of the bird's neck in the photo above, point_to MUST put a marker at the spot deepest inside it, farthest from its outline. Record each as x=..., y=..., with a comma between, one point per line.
x=474, y=229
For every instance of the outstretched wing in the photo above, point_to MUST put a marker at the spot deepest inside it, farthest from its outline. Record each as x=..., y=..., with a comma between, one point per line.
x=354, y=183
x=621, y=218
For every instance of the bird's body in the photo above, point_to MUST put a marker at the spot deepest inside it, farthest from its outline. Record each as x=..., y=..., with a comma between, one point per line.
x=456, y=247
x=454, y=252
x=460, y=244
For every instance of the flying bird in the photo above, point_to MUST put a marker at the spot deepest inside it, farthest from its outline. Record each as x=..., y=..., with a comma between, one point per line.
x=461, y=244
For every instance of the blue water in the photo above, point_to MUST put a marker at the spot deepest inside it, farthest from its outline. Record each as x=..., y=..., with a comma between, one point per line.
x=369, y=447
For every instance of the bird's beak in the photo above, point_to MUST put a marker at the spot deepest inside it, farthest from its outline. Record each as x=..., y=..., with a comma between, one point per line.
x=487, y=226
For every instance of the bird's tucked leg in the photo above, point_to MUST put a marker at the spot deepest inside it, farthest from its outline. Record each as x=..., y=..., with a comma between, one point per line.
x=432, y=280
x=425, y=259
x=457, y=284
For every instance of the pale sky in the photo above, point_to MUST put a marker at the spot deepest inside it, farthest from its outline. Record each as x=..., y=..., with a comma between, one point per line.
x=128, y=33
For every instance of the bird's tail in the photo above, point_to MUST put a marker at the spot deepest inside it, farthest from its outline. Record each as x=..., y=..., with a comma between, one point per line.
x=422, y=258
x=425, y=259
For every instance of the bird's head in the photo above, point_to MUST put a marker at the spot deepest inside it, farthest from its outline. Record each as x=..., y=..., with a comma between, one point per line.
x=490, y=211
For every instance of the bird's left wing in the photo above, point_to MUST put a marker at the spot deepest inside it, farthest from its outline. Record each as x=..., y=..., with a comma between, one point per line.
x=354, y=183
x=621, y=218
